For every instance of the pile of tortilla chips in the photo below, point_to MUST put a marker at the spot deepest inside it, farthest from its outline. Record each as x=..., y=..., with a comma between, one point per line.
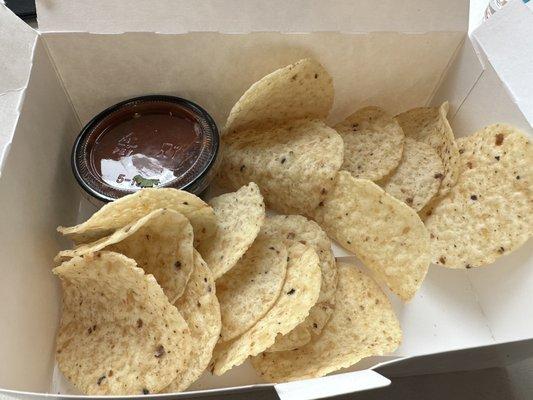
x=162, y=286
x=398, y=192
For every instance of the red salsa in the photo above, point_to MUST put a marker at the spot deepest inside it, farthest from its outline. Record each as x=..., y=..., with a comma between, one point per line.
x=150, y=141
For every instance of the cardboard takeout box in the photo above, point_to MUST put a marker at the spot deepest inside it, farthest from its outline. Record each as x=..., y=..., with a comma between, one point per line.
x=89, y=55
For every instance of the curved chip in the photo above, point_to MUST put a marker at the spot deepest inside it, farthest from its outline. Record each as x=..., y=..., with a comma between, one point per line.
x=130, y=208
x=373, y=143
x=298, y=337
x=293, y=165
x=200, y=309
x=489, y=213
x=300, y=90
x=430, y=125
x=362, y=325
x=386, y=234
x=497, y=144
x=161, y=243
x=239, y=217
x=118, y=334
x=418, y=176
x=295, y=228
x=299, y=293
x=249, y=289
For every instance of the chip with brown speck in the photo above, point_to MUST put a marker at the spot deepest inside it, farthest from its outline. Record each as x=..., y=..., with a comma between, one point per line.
x=171, y=239
x=378, y=332
x=373, y=143
x=239, y=217
x=299, y=228
x=417, y=179
x=303, y=275
x=246, y=292
x=128, y=293
x=300, y=90
x=204, y=323
x=291, y=163
x=130, y=208
x=374, y=226
x=489, y=209
x=430, y=125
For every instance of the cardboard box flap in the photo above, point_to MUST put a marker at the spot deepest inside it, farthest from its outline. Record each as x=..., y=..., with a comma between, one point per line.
x=214, y=69
x=330, y=386
x=505, y=39
x=240, y=16
x=16, y=46
x=36, y=168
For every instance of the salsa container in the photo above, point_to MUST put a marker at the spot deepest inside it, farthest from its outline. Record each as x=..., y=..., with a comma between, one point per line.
x=147, y=141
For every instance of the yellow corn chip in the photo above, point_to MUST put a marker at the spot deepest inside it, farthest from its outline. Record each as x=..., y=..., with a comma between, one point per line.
x=298, y=295
x=363, y=324
x=118, y=334
x=239, y=217
x=300, y=90
x=161, y=243
x=386, y=234
x=430, y=125
x=373, y=143
x=249, y=289
x=200, y=309
x=417, y=179
x=128, y=209
x=489, y=212
x=293, y=165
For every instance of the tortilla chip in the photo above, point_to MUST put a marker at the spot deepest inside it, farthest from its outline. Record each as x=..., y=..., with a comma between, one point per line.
x=300, y=90
x=498, y=144
x=128, y=209
x=161, y=243
x=362, y=325
x=430, y=125
x=295, y=228
x=293, y=165
x=200, y=309
x=249, y=290
x=119, y=334
x=296, y=338
x=239, y=217
x=417, y=179
x=386, y=234
x=373, y=143
x=300, y=291
x=489, y=213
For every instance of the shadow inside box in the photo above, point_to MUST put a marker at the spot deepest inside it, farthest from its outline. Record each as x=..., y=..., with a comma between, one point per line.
x=486, y=384
x=25, y=9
